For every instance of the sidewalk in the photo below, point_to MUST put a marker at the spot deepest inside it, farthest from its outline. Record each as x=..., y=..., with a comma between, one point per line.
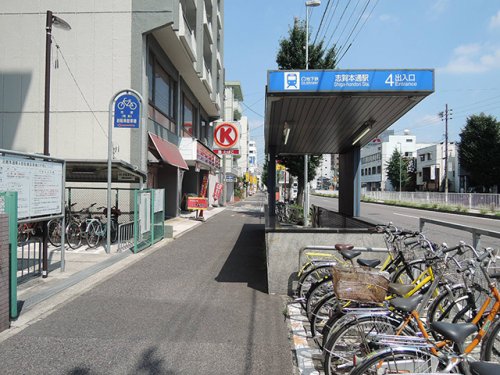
x=85, y=268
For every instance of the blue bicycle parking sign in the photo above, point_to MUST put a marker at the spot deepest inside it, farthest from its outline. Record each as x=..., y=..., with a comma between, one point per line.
x=127, y=111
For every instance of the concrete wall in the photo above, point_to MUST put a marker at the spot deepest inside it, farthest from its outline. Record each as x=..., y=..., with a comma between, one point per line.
x=283, y=250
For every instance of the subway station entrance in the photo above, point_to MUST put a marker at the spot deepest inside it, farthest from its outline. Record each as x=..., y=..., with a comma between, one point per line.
x=330, y=112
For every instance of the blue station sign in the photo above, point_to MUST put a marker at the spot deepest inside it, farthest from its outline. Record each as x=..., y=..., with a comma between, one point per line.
x=127, y=111
x=281, y=81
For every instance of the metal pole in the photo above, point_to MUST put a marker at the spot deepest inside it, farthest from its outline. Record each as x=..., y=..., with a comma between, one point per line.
x=446, y=153
x=307, y=38
x=400, y=152
x=306, y=191
x=224, y=190
x=110, y=179
x=46, y=149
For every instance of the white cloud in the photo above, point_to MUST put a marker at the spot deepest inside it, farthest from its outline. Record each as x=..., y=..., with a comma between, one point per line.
x=388, y=18
x=473, y=58
x=440, y=6
x=495, y=21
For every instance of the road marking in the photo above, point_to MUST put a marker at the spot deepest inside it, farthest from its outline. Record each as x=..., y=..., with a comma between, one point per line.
x=413, y=217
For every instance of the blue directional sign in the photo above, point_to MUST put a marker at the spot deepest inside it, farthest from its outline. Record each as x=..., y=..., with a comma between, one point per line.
x=127, y=111
x=350, y=80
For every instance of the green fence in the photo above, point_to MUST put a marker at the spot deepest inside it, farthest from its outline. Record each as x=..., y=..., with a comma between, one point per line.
x=8, y=205
x=149, y=213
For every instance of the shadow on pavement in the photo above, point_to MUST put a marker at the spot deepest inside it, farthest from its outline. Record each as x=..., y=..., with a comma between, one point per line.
x=247, y=261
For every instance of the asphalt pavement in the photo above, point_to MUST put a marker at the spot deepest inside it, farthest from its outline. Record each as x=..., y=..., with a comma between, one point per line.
x=195, y=305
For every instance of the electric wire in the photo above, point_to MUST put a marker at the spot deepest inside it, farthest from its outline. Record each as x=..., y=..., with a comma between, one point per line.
x=330, y=19
x=322, y=19
x=78, y=86
x=346, y=24
x=338, y=23
x=352, y=31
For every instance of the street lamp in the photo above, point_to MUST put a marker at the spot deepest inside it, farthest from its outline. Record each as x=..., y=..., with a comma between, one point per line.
x=400, y=161
x=58, y=22
x=309, y=4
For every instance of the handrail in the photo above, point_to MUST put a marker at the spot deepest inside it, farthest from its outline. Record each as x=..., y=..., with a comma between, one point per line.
x=476, y=232
x=332, y=248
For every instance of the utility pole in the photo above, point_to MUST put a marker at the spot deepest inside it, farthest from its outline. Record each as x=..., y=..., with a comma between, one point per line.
x=445, y=116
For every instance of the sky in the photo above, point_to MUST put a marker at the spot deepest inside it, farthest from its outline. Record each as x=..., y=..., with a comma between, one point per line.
x=460, y=39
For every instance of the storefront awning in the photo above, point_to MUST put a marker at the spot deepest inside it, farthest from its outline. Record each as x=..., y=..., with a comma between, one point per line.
x=78, y=170
x=167, y=152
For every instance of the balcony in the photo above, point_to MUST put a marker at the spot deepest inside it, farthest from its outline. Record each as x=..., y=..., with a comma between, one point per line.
x=207, y=26
x=207, y=77
x=186, y=35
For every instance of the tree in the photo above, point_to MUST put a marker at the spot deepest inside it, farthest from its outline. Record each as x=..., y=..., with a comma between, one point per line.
x=479, y=151
x=292, y=55
x=292, y=52
x=397, y=166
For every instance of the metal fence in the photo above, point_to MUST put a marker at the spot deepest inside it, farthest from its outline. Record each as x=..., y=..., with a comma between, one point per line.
x=469, y=201
x=125, y=236
x=29, y=259
x=121, y=198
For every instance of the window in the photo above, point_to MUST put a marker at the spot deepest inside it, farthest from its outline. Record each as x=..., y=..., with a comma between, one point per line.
x=422, y=157
x=161, y=91
x=187, y=118
x=362, y=172
x=379, y=169
x=408, y=154
x=374, y=170
x=429, y=156
x=409, y=140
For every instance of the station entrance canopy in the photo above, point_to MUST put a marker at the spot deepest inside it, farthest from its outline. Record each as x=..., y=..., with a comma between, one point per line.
x=336, y=112
x=331, y=111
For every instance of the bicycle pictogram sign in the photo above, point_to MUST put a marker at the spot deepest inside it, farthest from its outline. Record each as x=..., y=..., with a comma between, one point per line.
x=127, y=111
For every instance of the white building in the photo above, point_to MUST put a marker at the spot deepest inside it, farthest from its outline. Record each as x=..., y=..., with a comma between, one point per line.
x=171, y=52
x=252, y=157
x=378, y=152
x=431, y=170
x=323, y=172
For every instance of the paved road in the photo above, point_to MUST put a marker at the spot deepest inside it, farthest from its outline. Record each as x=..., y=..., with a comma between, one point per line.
x=196, y=306
x=409, y=218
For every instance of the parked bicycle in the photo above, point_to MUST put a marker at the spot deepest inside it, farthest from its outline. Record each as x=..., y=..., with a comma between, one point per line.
x=96, y=229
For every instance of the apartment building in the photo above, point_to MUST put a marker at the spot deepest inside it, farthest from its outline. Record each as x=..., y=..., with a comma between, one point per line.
x=431, y=168
x=171, y=52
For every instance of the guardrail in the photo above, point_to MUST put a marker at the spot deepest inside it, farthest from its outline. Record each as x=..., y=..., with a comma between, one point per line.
x=125, y=236
x=29, y=259
x=476, y=232
x=470, y=201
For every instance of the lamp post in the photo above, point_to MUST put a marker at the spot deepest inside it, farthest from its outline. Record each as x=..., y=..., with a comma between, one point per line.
x=400, y=157
x=59, y=22
x=309, y=4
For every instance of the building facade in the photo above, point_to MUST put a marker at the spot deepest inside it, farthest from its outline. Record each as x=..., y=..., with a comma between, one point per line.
x=375, y=156
x=171, y=52
x=431, y=168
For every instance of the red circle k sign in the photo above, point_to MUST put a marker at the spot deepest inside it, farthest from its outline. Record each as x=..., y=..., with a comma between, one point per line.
x=226, y=135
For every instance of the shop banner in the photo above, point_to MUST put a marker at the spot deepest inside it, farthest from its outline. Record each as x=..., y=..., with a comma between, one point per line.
x=197, y=203
x=204, y=186
x=218, y=190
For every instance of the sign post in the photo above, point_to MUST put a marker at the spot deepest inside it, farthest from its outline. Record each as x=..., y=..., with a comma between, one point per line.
x=226, y=138
x=125, y=111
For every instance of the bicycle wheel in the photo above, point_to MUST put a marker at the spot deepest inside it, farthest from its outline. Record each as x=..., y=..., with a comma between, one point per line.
x=354, y=341
x=114, y=231
x=93, y=234
x=446, y=306
x=54, y=229
x=399, y=361
x=309, y=278
x=317, y=291
x=73, y=235
x=490, y=347
x=321, y=314
x=407, y=274
x=23, y=235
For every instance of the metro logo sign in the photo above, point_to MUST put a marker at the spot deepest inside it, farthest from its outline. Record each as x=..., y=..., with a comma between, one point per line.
x=226, y=135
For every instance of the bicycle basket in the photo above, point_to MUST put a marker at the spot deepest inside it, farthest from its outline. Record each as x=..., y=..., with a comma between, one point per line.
x=360, y=284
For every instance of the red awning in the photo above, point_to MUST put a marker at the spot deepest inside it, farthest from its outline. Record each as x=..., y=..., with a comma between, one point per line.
x=168, y=152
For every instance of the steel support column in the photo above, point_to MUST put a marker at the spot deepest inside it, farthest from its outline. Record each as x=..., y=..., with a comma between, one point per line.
x=350, y=182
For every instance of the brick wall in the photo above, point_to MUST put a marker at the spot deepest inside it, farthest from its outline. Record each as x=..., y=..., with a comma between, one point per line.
x=4, y=273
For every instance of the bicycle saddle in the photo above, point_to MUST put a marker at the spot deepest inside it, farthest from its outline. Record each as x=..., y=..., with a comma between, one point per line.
x=371, y=263
x=456, y=332
x=399, y=289
x=484, y=368
x=343, y=247
x=406, y=305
